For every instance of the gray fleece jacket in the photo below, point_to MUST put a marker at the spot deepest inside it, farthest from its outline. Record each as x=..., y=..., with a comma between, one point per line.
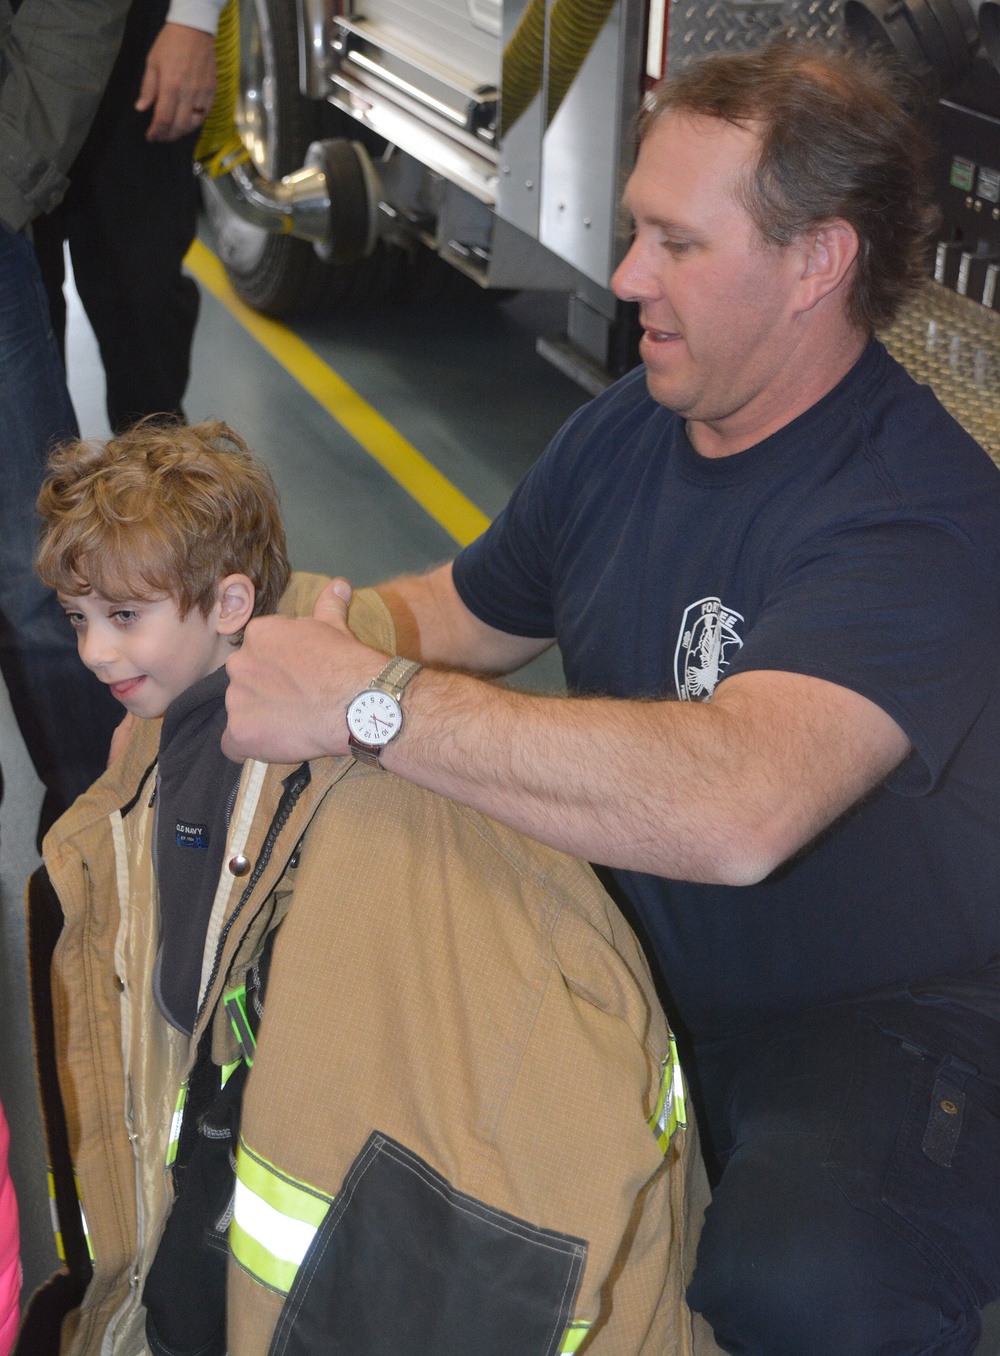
x=55, y=59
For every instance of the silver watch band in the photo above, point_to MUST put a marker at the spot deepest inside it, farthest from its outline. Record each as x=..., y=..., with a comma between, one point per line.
x=396, y=674
x=365, y=753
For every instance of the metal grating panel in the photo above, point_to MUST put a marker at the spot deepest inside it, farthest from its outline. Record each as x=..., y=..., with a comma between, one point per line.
x=697, y=28
x=953, y=345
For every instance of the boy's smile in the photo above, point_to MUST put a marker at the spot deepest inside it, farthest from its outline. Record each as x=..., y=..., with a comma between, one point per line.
x=143, y=649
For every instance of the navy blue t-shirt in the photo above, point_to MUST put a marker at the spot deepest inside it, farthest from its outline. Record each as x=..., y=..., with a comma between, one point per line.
x=860, y=544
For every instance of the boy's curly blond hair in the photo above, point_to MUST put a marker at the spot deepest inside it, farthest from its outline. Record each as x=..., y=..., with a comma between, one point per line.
x=163, y=509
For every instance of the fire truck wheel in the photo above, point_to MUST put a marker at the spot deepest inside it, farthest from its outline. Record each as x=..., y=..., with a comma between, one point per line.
x=273, y=273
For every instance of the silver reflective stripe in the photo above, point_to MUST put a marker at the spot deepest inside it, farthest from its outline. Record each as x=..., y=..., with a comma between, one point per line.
x=85, y=1226
x=176, y=1121
x=275, y=1219
x=54, y=1217
x=287, y=1239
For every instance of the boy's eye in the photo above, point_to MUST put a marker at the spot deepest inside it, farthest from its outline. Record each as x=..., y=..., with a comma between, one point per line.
x=125, y=616
x=75, y=619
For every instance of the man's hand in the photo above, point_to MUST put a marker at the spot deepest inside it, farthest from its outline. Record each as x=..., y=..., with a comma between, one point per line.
x=179, y=81
x=291, y=680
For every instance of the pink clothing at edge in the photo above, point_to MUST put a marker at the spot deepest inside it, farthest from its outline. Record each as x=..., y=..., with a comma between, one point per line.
x=10, y=1264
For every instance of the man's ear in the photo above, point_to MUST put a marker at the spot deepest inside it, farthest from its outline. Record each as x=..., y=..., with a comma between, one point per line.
x=236, y=599
x=831, y=251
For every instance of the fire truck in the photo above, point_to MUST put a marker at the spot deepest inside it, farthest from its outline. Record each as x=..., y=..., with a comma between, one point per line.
x=380, y=148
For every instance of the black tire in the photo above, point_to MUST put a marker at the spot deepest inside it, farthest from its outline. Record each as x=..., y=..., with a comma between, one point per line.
x=277, y=274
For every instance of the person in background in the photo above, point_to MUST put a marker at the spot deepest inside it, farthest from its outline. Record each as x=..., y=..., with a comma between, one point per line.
x=55, y=59
x=771, y=561
x=130, y=213
x=10, y=1258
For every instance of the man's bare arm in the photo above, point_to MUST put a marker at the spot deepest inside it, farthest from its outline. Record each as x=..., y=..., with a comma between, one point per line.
x=434, y=626
x=722, y=791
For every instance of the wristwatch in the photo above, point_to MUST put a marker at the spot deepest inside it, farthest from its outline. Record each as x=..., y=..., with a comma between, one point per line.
x=374, y=716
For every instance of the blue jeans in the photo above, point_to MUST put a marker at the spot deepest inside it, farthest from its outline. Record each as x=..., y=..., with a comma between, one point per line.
x=858, y=1212
x=65, y=715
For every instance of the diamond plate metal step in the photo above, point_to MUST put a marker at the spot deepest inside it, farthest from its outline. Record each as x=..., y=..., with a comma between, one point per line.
x=953, y=344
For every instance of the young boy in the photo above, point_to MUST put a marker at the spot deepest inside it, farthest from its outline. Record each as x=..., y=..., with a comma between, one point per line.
x=460, y=1128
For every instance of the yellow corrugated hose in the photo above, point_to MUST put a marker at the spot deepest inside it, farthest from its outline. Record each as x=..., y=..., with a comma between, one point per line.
x=522, y=64
x=573, y=29
x=220, y=146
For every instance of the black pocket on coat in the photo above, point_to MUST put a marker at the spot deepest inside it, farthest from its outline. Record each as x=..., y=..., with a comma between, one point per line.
x=405, y=1263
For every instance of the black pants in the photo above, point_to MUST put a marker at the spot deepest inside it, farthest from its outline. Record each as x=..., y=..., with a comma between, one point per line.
x=129, y=217
x=858, y=1213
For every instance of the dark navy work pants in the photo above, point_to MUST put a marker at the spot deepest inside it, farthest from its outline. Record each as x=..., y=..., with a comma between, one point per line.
x=858, y=1212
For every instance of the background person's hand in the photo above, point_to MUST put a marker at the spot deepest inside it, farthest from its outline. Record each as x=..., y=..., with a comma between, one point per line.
x=179, y=81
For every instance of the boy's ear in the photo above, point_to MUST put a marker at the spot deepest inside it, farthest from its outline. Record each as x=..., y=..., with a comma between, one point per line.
x=236, y=599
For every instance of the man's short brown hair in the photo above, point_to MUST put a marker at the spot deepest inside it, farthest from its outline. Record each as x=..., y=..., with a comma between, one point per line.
x=161, y=509
x=839, y=137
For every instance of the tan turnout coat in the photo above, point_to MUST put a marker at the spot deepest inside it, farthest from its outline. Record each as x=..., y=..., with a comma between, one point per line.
x=438, y=979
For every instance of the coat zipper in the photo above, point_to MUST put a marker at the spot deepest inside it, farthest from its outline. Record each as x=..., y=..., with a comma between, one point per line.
x=294, y=784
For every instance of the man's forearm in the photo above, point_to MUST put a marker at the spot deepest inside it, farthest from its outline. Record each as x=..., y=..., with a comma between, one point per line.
x=588, y=777
x=573, y=773
x=721, y=791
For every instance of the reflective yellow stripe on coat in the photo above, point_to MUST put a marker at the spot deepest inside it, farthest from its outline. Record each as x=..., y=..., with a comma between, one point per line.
x=54, y=1217
x=670, y=1113
x=275, y=1218
x=176, y=1122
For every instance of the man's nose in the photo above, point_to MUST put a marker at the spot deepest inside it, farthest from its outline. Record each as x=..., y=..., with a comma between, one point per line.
x=633, y=279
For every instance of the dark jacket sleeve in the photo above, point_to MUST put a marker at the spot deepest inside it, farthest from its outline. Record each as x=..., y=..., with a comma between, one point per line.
x=55, y=59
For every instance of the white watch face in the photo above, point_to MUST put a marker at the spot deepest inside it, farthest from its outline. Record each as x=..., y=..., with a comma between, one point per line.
x=374, y=718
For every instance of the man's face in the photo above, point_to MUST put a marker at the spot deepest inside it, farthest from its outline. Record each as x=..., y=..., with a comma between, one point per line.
x=716, y=301
x=145, y=650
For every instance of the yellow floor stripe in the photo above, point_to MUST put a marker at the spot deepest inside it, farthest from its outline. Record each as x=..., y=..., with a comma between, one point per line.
x=435, y=494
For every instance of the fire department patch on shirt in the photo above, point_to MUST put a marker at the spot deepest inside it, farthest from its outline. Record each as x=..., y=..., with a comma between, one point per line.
x=191, y=835
x=708, y=637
